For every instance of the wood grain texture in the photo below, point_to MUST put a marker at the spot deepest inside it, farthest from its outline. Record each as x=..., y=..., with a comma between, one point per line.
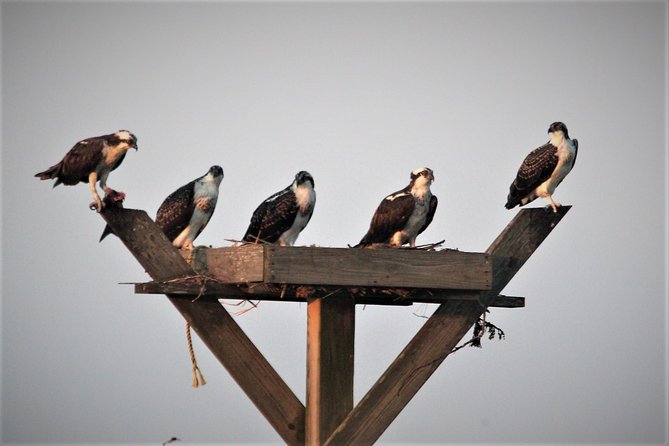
x=213, y=324
x=408, y=268
x=240, y=264
x=365, y=423
x=441, y=333
x=330, y=352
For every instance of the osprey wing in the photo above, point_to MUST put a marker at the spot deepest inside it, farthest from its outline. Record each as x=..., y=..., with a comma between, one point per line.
x=430, y=213
x=273, y=217
x=175, y=212
x=391, y=216
x=575, y=141
x=535, y=169
x=77, y=164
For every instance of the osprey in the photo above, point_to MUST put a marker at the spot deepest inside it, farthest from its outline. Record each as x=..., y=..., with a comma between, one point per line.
x=186, y=211
x=403, y=215
x=544, y=169
x=91, y=160
x=280, y=218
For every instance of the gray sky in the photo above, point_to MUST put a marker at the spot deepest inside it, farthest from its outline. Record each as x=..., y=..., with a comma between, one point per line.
x=358, y=95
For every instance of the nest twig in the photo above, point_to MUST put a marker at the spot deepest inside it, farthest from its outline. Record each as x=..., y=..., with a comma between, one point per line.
x=480, y=328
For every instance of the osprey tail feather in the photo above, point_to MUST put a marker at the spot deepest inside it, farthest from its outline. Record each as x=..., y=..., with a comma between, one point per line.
x=51, y=173
x=512, y=201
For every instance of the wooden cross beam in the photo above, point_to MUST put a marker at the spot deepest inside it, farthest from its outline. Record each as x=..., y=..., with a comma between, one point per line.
x=442, y=331
x=329, y=417
x=220, y=333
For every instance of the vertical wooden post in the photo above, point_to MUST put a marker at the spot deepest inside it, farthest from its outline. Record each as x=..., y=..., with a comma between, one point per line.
x=330, y=345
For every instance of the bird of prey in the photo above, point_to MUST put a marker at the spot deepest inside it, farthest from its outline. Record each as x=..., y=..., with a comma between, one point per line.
x=544, y=169
x=90, y=161
x=280, y=218
x=186, y=211
x=403, y=215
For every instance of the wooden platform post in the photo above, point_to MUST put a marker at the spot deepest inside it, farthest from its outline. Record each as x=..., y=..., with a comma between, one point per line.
x=329, y=417
x=330, y=344
x=226, y=340
x=442, y=331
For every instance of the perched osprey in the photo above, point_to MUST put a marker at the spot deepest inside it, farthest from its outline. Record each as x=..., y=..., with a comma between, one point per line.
x=403, y=215
x=544, y=168
x=280, y=218
x=91, y=160
x=187, y=210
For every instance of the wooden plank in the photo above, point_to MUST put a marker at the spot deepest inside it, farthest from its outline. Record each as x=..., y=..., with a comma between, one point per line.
x=213, y=324
x=197, y=287
x=409, y=268
x=502, y=301
x=330, y=344
x=441, y=333
x=147, y=243
x=238, y=264
x=191, y=288
x=518, y=241
x=248, y=367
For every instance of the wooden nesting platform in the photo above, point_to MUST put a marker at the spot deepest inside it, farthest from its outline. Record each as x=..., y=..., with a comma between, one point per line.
x=295, y=274
x=332, y=281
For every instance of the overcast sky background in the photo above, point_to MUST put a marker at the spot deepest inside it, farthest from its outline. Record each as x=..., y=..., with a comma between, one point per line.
x=358, y=95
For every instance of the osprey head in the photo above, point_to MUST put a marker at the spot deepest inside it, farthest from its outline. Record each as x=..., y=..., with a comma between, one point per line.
x=127, y=137
x=559, y=127
x=216, y=171
x=302, y=177
x=214, y=174
x=424, y=172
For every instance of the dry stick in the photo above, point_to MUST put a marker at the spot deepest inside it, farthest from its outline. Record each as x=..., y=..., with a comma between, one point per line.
x=253, y=306
x=429, y=246
x=196, y=370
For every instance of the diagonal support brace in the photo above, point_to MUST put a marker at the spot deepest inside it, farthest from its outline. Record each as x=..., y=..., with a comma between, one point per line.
x=442, y=331
x=213, y=324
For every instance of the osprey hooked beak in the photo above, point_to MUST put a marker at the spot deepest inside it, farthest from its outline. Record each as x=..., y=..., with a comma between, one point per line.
x=131, y=138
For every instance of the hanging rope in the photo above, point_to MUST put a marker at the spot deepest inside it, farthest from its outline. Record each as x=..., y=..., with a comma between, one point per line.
x=198, y=379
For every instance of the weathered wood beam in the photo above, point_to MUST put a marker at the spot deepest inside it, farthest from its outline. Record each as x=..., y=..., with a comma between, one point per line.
x=503, y=301
x=378, y=267
x=330, y=348
x=441, y=332
x=195, y=287
x=213, y=324
x=409, y=268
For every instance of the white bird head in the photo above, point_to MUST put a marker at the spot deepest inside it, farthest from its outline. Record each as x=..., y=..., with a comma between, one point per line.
x=422, y=174
x=127, y=137
x=302, y=177
x=559, y=127
x=215, y=174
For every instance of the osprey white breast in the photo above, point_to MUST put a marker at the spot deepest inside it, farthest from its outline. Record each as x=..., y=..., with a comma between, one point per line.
x=544, y=169
x=281, y=217
x=187, y=211
x=403, y=215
